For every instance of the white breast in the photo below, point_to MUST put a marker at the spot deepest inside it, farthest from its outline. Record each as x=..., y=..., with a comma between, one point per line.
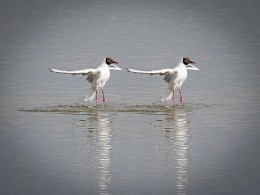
x=180, y=77
x=103, y=76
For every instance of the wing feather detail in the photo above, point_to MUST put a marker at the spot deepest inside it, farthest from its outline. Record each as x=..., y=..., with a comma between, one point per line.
x=90, y=73
x=151, y=72
x=74, y=72
x=167, y=73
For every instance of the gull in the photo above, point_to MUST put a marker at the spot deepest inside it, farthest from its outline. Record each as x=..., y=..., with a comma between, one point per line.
x=174, y=77
x=97, y=77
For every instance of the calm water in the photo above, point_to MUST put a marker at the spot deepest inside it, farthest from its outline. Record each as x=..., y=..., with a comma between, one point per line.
x=54, y=143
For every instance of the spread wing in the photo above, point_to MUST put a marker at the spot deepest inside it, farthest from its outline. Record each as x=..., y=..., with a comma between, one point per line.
x=114, y=67
x=167, y=73
x=90, y=73
x=191, y=67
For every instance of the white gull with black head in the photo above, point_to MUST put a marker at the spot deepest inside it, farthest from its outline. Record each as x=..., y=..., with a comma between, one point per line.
x=174, y=77
x=97, y=77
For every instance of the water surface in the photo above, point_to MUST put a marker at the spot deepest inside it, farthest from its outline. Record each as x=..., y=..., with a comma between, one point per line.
x=54, y=143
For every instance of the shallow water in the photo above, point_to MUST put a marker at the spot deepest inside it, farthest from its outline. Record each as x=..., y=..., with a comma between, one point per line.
x=54, y=143
x=113, y=107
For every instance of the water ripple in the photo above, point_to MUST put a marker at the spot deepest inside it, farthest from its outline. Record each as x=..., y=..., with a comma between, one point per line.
x=83, y=108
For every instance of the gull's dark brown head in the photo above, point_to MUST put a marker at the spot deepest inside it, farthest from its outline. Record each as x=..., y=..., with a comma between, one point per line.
x=110, y=60
x=187, y=61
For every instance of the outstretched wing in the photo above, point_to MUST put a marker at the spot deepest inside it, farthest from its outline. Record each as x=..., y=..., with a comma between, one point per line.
x=191, y=67
x=114, y=67
x=167, y=73
x=151, y=72
x=90, y=73
x=74, y=72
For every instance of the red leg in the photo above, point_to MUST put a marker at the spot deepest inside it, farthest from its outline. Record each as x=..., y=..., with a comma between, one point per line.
x=96, y=97
x=173, y=97
x=181, y=99
x=104, y=99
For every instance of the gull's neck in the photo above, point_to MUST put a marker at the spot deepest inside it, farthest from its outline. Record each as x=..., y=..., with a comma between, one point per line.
x=180, y=64
x=104, y=64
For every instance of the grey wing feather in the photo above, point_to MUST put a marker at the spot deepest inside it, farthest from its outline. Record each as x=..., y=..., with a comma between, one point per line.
x=167, y=73
x=90, y=73
x=168, y=76
x=91, y=76
x=74, y=72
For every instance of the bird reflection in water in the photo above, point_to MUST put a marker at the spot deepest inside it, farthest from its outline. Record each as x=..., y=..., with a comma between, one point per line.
x=102, y=135
x=177, y=129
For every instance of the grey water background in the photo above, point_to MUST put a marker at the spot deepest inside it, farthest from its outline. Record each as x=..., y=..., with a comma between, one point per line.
x=133, y=144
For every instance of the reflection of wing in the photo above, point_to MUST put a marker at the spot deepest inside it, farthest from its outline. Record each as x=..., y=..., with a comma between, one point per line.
x=167, y=73
x=90, y=73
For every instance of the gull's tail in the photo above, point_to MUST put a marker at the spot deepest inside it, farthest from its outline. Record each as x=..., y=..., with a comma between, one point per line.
x=91, y=94
x=168, y=95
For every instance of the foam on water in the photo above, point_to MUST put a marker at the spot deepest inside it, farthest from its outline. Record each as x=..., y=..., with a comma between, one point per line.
x=112, y=107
